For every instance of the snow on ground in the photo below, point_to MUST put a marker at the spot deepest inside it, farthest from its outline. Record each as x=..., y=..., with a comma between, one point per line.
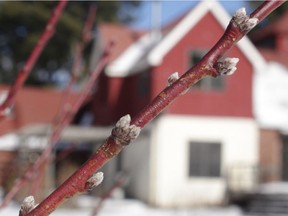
x=132, y=207
x=129, y=207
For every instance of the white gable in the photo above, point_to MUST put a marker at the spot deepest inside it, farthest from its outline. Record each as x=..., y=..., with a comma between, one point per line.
x=144, y=53
x=134, y=58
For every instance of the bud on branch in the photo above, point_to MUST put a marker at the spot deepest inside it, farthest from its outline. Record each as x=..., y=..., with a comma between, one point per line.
x=27, y=205
x=123, y=132
x=244, y=22
x=227, y=66
x=95, y=180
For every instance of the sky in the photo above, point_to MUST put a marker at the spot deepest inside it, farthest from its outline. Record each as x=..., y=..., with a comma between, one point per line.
x=170, y=10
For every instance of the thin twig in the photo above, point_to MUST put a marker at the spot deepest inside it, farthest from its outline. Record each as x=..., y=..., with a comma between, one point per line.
x=79, y=49
x=65, y=121
x=65, y=101
x=120, y=181
x=25, y=71
x=40, y=173
x=125, y=130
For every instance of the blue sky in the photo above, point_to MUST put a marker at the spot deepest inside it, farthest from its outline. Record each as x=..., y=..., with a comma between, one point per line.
x=172, y=9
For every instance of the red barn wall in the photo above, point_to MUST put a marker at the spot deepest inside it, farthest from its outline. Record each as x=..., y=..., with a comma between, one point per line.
x=117, y=96
x=234, y=100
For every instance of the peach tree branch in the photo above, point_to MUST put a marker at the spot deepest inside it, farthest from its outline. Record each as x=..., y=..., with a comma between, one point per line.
x=80, y=46
x=65, y=120
x=64, y=115
x=120, y=181
x=126, y=130
x=25, y=71
x=65, y=101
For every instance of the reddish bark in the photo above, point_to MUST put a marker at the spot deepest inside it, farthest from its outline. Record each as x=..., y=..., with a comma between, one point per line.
x=25, y=71
x=39, y=174
x=64, y=116
x=120, y=181
x=111, y=147
x=30, y=173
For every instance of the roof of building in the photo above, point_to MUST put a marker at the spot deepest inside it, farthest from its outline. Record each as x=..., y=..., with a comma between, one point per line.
x=150, y=49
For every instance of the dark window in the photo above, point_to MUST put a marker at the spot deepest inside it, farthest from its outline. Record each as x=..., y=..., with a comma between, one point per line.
x=204, y=159
x=208, y=83
x=143, y=83
x=284, y=157
x=267, y=42
x=196, y=56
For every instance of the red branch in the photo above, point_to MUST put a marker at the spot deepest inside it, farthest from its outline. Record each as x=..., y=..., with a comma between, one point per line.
x=35, y=185
x=120, y=181
x=25, y=71
x=57, y=132
x=208, y=66
x=63, y=112
x=80, y=46
x=86, y=38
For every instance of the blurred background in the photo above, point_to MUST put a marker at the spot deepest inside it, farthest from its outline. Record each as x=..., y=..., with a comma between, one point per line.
x=222, y=144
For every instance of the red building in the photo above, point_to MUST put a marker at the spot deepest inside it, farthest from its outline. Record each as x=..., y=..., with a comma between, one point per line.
x=208, y=140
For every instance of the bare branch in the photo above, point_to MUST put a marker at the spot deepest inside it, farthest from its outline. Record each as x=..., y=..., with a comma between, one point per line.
x=56, y=134
x=121, y=180
x=25, y=71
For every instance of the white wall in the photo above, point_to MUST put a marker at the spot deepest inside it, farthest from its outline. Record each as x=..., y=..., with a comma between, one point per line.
x=136, y=161
x=170, y=185
x=270, y=89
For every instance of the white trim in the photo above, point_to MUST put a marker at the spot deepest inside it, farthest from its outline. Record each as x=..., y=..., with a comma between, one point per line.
x=131, y=61
x=70, y=133
x=36, y=136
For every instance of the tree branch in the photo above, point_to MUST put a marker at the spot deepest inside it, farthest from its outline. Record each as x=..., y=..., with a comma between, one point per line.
x=121, y=180
x=208, y=66
x=57, y=132
x=25, y=71
x=65, y=101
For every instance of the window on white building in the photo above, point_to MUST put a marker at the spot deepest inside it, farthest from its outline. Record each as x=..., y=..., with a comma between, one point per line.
x=204, y=159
